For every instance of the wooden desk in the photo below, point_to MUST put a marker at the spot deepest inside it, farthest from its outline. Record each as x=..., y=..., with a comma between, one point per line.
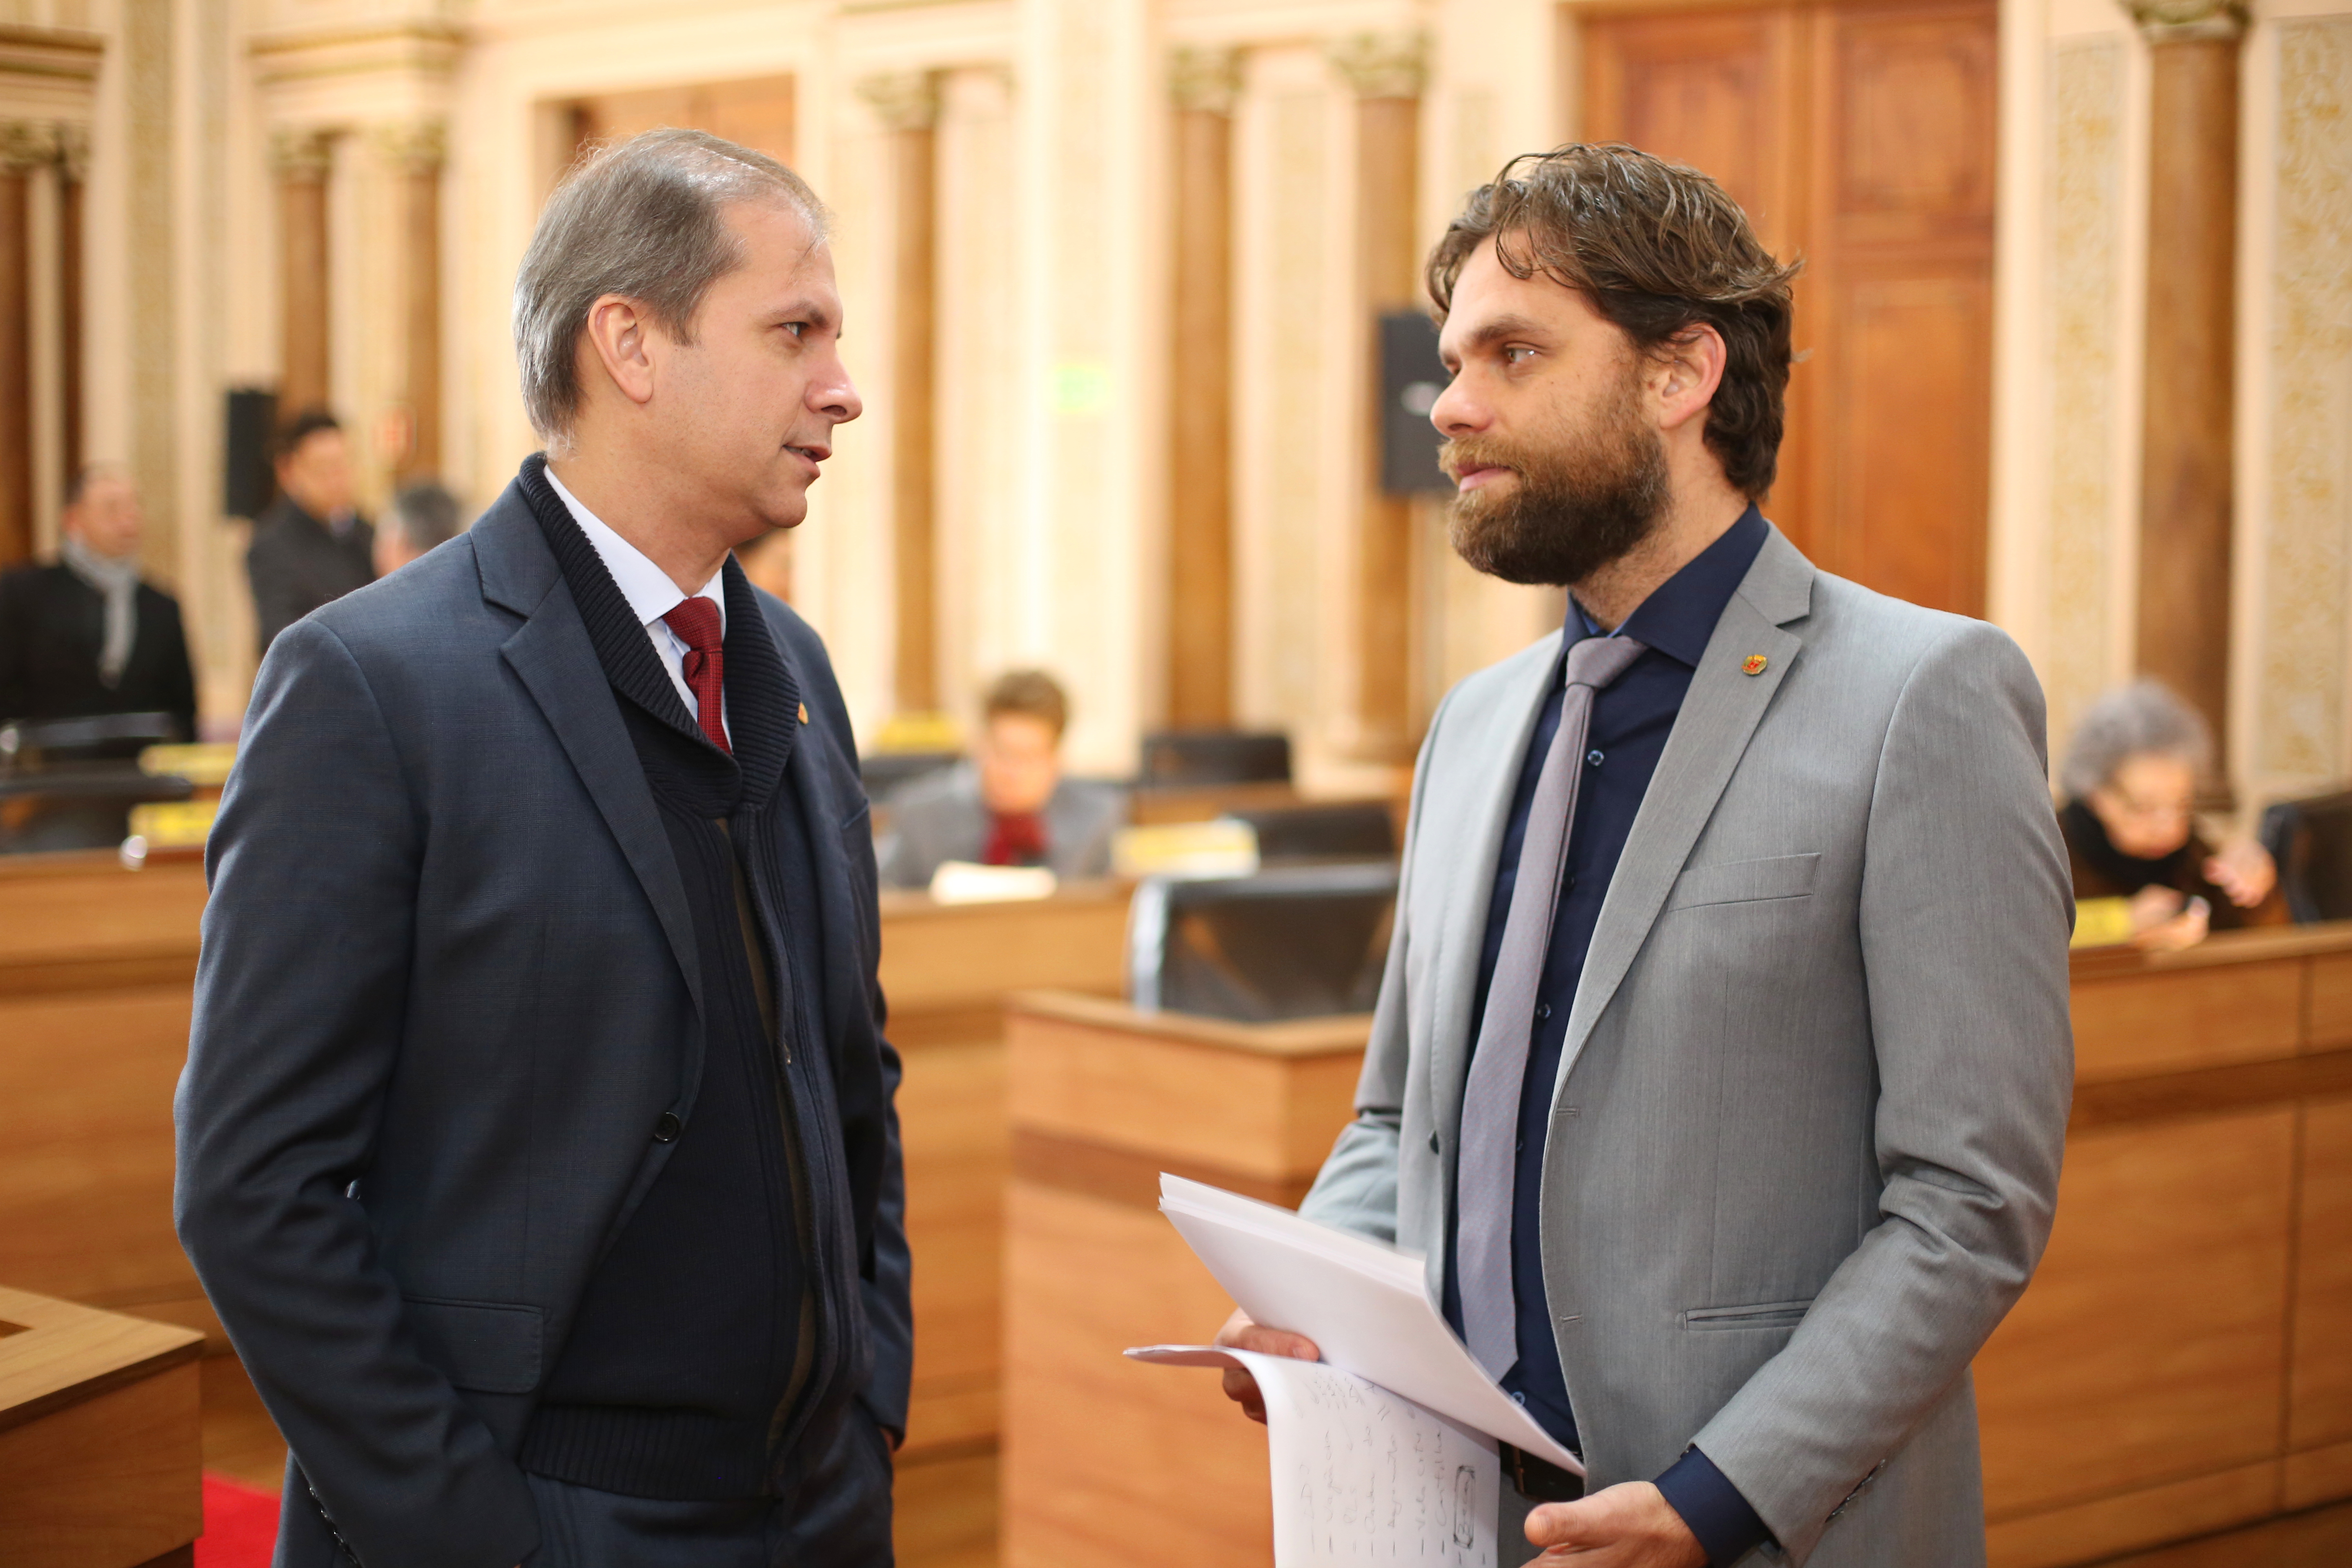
x=945, y=970
x=96, y=966
x=1107, y=1462
x=98, y=1461
x=2182, y=1362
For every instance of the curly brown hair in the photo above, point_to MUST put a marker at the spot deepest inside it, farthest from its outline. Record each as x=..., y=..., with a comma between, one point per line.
x=1658, y=249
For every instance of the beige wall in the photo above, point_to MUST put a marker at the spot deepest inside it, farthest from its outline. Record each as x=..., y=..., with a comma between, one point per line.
x=1052, y=338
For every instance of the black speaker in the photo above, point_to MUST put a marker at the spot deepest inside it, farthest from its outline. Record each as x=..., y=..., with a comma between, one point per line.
x=1411, y=375
x=248, y=482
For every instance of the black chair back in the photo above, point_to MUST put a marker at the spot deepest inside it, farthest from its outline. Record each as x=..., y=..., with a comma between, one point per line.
x=1343, y=830
x=1189, y=758
x=1297, y=943
x=2311, y=842
x=30, y=743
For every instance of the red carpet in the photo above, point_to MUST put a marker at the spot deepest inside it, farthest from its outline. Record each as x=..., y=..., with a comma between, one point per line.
x=240, y=1525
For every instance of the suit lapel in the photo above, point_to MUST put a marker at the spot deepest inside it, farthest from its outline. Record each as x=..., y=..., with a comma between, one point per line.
x=551, y=655
x=1496, y=747
x=1719, y=713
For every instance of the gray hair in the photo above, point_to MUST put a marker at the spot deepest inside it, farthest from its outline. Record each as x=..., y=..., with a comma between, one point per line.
x=2143, y=719
x=641, y=219
x=425, y=514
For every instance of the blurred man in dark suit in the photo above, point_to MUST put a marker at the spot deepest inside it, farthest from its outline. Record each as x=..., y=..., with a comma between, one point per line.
x=310, y=544
x=85, y=636
x=1011, y=804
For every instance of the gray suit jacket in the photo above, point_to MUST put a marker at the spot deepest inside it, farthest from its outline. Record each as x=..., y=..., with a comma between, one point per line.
x=1805, y=1137
x=940, y=818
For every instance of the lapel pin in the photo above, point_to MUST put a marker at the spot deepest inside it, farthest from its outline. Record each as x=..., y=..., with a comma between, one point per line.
x=804, y=712
x=1752, y=665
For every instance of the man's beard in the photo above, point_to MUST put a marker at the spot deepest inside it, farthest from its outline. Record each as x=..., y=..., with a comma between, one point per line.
x=1581, y=502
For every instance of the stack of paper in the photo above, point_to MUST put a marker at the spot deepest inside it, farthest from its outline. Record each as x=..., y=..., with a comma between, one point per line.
x=1386, y=1449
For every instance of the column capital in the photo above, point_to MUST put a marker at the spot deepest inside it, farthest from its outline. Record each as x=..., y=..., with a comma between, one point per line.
x=73, y=151
x=903, y=101
x=302, y=154
x=27, y=146
x=413, y=146
x=1208, y=81
x=2186, y=21
x=1381, y=65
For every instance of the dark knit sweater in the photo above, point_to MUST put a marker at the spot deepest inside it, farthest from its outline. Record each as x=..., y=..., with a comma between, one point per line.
x=693, y=1340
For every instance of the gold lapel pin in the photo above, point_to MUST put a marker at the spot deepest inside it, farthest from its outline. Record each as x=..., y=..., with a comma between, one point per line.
x=1752, y=665
x=804, y=706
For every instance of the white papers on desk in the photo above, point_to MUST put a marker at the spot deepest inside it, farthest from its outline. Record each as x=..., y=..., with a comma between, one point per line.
x=1366, y=1307
x=1359, y=1475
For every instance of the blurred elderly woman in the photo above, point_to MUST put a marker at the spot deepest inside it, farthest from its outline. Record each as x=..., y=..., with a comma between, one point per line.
x=2142, y=874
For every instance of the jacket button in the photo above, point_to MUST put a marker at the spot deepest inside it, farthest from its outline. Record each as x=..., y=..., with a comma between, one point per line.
x=667, y=1130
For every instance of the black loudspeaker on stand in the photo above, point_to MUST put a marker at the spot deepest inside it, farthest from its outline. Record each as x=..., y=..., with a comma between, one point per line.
x=248, y=482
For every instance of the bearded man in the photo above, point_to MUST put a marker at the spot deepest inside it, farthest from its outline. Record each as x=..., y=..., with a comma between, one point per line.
x=1722, y=1065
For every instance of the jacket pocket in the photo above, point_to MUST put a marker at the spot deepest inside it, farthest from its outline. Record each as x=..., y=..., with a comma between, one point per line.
x=1762, y=1315
x=490, y=1347
x=1744, y=881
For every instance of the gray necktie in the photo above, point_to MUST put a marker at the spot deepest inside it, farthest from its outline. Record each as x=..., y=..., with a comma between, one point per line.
x=1499, y=1069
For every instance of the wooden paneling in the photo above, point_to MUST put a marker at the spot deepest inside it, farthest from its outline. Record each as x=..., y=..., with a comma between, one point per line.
x=756, y=112
x=2151, y=1347
x=2092, y=1532
x=2185, y=437
x=914, y=415
x=940, y=957
x=1200, y=423
x=1109, y=1463
x=16, y=364
x=2317, y=1475
x=952, y=1119
x=2162, y=1022
x=2328, y=1019
x=1265, y=1102
x=303, y=343
x=1859, y=137
x=2319, y=1409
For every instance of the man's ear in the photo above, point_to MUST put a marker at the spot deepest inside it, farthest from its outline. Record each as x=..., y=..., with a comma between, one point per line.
x=616, y=338
x=1687, y=369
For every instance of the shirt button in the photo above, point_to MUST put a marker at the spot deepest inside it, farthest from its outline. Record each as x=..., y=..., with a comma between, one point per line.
x=1593, y=756
x=1432, y=1142
x=1543, y=1009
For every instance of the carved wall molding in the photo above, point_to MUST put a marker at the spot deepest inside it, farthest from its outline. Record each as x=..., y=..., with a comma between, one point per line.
x=413, y=146
x=301, y=153
x=1206, y=81
x=27, y=146
x=903, y=101
x=1382, y=65
x=2183, y=21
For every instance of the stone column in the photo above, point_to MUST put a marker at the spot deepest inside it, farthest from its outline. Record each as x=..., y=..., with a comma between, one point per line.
x=25, y=148
x=2185, y=462
x=415, y=154
x=73, y=171
x=1205, y=84
x=908, y=104
x=1386, y=73
x=302, y=160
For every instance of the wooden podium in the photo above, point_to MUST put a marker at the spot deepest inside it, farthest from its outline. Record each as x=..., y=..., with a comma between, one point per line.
x=1108, y=1462
x=99, y=1457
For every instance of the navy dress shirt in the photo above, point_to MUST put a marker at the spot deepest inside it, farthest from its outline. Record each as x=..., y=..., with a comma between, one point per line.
x=1631, y=720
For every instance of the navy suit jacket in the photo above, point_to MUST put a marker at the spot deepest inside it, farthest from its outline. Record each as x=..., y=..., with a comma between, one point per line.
x=448, y=996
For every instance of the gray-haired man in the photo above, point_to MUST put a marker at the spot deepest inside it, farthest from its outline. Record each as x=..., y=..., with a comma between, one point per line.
x=536, y=1141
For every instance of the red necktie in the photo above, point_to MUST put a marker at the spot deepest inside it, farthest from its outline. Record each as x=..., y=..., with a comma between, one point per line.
x=695, y=622
x=1014, y=840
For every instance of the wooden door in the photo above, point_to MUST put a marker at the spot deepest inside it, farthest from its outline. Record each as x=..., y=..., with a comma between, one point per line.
x=1859, y=137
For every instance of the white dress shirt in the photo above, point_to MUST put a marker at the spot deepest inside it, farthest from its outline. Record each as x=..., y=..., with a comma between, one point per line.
x=651, y=596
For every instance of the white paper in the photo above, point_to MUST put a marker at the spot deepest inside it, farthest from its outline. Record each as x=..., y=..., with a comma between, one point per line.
x=1362, y=1476
x=1366, y=1307
x=1359, y=1474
